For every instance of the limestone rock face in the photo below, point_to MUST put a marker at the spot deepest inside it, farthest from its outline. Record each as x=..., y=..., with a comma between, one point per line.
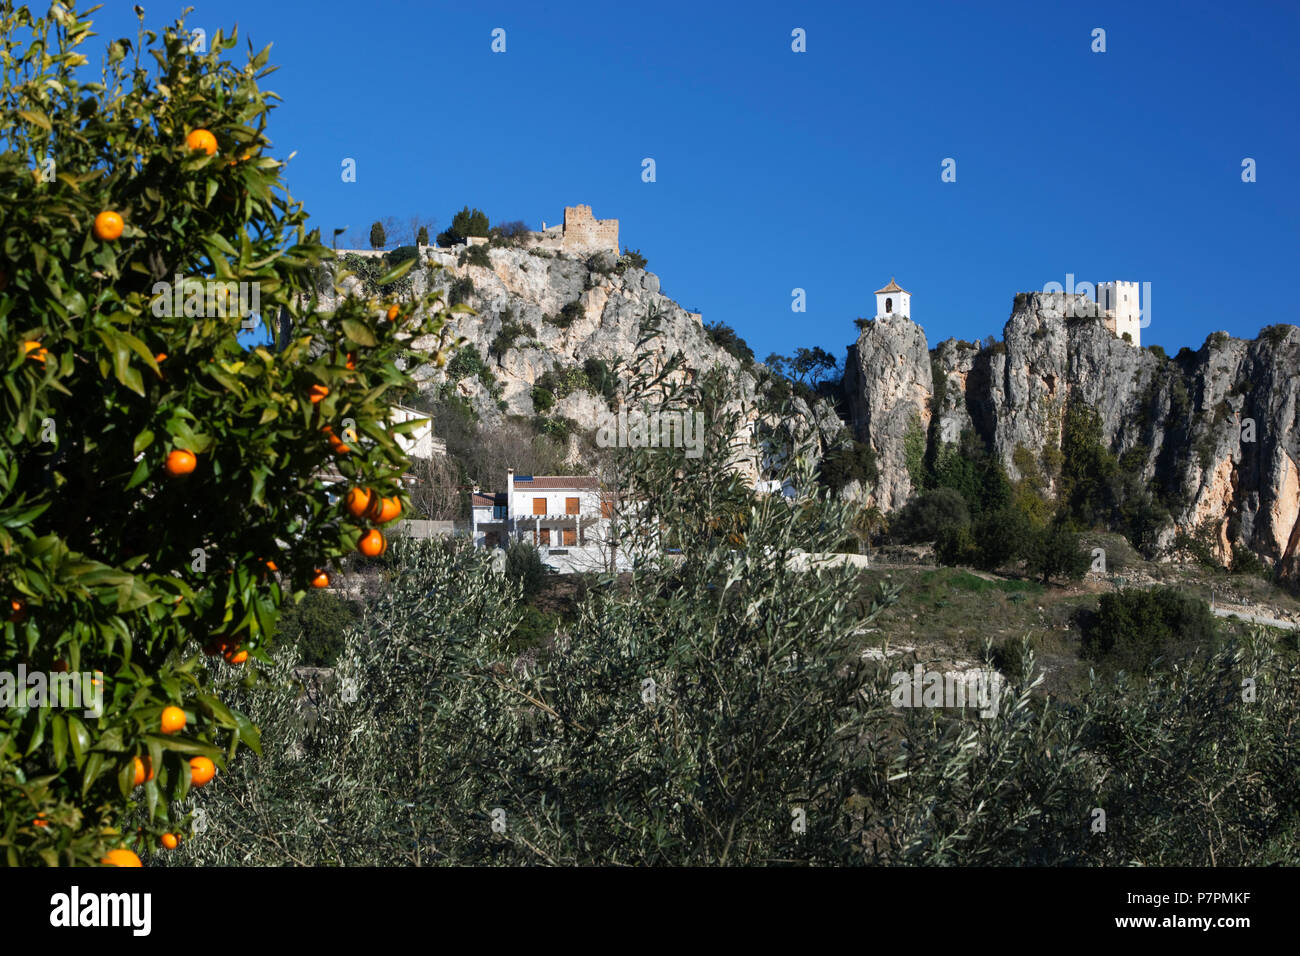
x=1218, y=430
x=604, y=319
x=891, y=400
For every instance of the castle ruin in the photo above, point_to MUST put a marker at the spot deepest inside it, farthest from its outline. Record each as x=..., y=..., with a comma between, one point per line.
x=580, y=234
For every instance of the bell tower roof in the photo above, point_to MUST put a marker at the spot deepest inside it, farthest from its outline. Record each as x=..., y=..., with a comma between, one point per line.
x=892, y=287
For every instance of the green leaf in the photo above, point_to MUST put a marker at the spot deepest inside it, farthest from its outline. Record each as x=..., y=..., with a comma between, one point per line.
x=357, y=332
x=37, y=119
x=142, y=441
x=392, y=275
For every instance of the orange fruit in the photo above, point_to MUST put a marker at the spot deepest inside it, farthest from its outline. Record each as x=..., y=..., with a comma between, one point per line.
x=389, y=509
x=121, y=858
x=202, y=139
x=362, y=503
x=216, y=646
x=35, y=351
x=61, y=666
x=270, y=566
x=350, y=363
x=170, y=840
x=143, y=770
x=336, y=443
x=317, y=393
x=235, y=655
x=40, y=821
x=372, y=544
x=320, y=580
x=201, y=770
x=392, y=312
x=108, y=226
x=180, y=462
x=19, y=612
x=173, y=719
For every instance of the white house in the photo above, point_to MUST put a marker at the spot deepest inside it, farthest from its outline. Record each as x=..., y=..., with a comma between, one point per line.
x=565, y=516
x=421, y=443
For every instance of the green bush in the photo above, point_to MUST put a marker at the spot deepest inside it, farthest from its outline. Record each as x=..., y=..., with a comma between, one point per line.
x=999, y=537
x=925, y=516
x=316, y=626
x=476, y=255
x=378, y=239
x=725, y=338
x=845, y=463
x=1055, y=552
x=633, y=258
x=524, y=565
x=1134, y=628
x=955, y=545
x=460, y=291
x=543, y=399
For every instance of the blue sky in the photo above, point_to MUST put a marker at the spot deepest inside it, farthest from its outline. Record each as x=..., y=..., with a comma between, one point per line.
x=820, y=170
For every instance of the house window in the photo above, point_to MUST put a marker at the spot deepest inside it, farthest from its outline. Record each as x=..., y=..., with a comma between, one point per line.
x=570, y=537
x=889, y=305
x=539, y=506
x=544, y=537
x=570, y=506
x=607, y=509
x=499, y=512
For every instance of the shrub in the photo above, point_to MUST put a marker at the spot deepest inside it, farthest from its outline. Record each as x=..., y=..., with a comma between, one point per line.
x=460, y=291
x=510, y=331
x=845, y=463
x=422, y=236
x=466, y=363
x=543, y=399
x=476, y=255
x=524, y=565
x=601, y=380
x=955, y=545
x=378, y=238
x=400, y=255
x=999, y=537
x=632, y=258
x=1133, y=628
x=1054, y=552
x=315, y=627
x=925, y=516
x=725, y=338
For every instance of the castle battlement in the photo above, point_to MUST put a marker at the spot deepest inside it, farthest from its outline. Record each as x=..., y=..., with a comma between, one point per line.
x=581, y=233
x=1121, y=309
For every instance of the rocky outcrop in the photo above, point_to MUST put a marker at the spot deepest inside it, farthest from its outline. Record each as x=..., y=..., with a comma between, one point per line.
x=1217, y=430
x=559, y=312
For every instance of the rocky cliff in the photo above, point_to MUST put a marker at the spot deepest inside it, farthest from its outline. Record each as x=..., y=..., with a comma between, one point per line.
x=542, y=311
x=1217, y=430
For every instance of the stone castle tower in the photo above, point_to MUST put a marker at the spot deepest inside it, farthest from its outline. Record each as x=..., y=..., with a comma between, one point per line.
x=1121, y=309
x=581, y=233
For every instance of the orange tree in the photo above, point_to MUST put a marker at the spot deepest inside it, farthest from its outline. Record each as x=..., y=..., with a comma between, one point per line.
x=161, y=486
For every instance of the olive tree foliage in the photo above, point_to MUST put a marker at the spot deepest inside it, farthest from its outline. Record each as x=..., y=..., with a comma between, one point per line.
x=714, y=706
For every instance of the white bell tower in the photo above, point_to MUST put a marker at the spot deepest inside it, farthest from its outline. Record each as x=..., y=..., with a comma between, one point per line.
x=893, y=300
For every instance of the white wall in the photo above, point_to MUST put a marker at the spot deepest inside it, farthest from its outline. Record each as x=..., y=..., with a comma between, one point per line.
x=902, y=304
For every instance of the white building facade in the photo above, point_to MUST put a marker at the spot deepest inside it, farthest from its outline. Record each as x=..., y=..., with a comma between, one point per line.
x=893, y=300
x=1121, y=309
x=565, y=516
